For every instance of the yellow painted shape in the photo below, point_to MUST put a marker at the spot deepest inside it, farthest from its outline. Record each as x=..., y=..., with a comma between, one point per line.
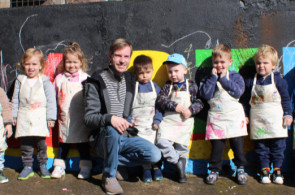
x=160, y=73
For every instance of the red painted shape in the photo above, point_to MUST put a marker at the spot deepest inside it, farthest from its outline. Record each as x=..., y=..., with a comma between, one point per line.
x=198, y=136
x=53, y=65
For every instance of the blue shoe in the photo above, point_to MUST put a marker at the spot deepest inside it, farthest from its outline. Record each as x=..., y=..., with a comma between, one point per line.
x=147, y=176
x=26, y=173
x=157, y=174
x=44, y=173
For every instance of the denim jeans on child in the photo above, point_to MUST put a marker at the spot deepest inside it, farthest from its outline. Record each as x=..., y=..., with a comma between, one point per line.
x=126, y=151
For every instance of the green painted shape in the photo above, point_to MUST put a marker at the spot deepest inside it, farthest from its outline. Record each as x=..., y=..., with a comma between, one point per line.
x=200, y=126
x=240, y=57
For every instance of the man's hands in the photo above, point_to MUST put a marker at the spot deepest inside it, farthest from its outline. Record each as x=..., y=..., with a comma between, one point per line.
x=8, y=130
x=120, y=124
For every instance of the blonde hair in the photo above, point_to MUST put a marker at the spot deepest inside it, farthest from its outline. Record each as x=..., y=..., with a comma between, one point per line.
x=220, y=50
x=30, y=53
x=142, y=61
x=75, y=49
x=267, y=51
x=119, y=44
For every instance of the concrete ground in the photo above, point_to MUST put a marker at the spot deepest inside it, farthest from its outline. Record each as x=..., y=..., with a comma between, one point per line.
x=195, y=185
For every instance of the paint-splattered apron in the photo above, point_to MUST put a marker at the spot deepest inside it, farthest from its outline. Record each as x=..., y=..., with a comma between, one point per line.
x=3, y=145
x=31, y=117
x=173, y=126
x=71, y=112
x=266, y=113
x=226, y=117
x=143, y=112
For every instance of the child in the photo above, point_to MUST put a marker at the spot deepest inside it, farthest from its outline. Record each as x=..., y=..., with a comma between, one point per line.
x=145, y=117
x=267, y=103
x=178, y=99
x=70, y=116
x=33, y=111
x=5, y=130
x=226, y=119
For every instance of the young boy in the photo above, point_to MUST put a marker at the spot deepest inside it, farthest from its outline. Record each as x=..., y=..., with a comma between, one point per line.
x=5, y=130
x=178, y=99
x=145, y=116
x=266, y=101
x=226, y=119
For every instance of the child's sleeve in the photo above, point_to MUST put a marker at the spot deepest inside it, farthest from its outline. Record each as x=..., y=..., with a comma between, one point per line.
x=6, y=111
x=163, y=101
x=197, y=104
x=282, y=87
x=158, y=114
x=15, y=99
x=51, y=108
x=235, y=85
x=207, y=86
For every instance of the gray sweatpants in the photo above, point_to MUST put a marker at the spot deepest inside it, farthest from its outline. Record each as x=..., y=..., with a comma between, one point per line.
x=27, y=149
x=172, y=151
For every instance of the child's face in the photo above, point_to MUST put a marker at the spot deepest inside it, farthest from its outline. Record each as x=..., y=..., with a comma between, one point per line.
x=264, y=66
x=221, y=63
x=144, y=75
x=32, y=67
x=176, y=72
x=72, y=63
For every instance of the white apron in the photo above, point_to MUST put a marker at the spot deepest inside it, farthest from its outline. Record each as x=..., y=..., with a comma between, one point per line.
x=266, y=113
x=3, y=144
x=31, y=117
x=226, y=116
x=71, y=112
x=143, y=112
x=173, y=126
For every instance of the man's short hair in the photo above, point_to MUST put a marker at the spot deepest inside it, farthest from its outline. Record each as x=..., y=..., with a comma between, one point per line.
x=118, y=44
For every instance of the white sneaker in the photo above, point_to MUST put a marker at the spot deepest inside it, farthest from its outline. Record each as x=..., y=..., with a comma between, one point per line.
x=265, y=177
x=277, y=177
x=58, y=172
x=85, y=173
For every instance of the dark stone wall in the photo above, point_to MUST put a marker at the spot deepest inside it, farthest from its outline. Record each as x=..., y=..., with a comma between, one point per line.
x=166, y=25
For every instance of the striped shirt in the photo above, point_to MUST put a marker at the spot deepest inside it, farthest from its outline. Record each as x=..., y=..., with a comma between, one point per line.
x=116, y=88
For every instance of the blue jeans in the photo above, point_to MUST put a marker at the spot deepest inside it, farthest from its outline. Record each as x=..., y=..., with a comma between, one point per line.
x=126, y=151
x=2, y=160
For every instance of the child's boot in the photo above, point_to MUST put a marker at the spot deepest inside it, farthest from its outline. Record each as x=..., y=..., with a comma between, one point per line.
x=3, y=179
x=85, y=169
x=241, y=176
x=180, y=166
x=277, y=177
x=212, y=178
x=44, y=173
x=26, y=173
x=147, y=176
x=158, y=176
x=265, y=176
x=59, y=169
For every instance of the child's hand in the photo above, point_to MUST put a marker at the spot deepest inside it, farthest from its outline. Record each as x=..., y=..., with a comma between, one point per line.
x=247, y=120
x=50, y=124
x=288, y=121
x=186, y=113
x=214, y=71
x=8, y=131
x=14, y=123
x=223, y=73
x=179, y=108
x=155, y=127
x=10, y=105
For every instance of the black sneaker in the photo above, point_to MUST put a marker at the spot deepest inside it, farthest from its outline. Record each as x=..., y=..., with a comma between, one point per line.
x=180, y=167
x=265, y=176
x=241, y=177
x=212, y=178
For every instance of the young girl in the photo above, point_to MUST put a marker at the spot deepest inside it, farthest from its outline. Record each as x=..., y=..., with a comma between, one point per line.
x=70, y=116
x=33, y=111
x=145, y=116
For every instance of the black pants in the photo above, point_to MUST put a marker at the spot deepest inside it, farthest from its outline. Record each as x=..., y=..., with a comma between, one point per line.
x=236, y=144
x=27, y=149
x=83, y=149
